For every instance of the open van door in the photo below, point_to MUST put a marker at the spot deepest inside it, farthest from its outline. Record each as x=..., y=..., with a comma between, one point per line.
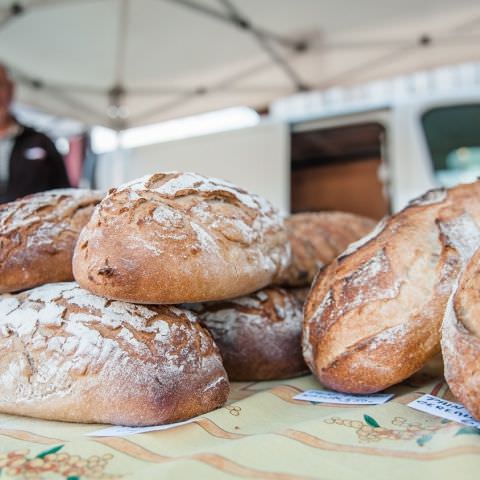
x=339, y=168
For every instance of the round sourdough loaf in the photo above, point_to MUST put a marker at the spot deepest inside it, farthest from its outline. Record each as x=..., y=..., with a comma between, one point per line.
x=180, y=237
x=461, y=338
x=316, y=239
x=72, y=356
x=259, y=334
x=38, y=234
x=373, y=315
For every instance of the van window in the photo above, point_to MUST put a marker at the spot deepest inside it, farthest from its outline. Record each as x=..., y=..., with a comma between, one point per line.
x=453, y=139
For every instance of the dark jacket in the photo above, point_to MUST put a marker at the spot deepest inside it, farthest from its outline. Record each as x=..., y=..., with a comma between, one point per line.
x=35, y=166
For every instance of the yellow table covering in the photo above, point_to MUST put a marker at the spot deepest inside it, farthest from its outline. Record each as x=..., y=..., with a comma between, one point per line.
x=262, y=433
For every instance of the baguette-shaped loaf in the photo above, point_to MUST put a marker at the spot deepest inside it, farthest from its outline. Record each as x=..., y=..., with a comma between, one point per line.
x=38, y=234
x=461, y=338
x=316, y=239
x=72, y=356
x=259, y=335
x=180, y=237
x=373, y=316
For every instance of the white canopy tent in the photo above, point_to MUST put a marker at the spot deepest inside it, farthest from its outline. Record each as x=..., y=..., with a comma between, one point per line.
x=123, y=63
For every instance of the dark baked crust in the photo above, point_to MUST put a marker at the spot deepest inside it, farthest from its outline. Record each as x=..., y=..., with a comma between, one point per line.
x=38, y=234
x=171, y=238
x=461, y=338
x=72, y=356
x=258, y=335
x=373, y=315
x=316, y=239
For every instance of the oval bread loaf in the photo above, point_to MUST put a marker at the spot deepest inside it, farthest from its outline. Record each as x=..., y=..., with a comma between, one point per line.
x=373, y=315
x=316, y=239
x=461, y=338
x=72, y=356
x=38, y=234
x=180, y=237
x=259, y=335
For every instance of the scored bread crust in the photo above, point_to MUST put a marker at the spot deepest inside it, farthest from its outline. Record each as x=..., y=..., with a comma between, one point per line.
x=38, y=234
x=373, y=315
x=259, y=335
x=461, y=338
x=69, y=355
x=180, y=237
x=316, y=239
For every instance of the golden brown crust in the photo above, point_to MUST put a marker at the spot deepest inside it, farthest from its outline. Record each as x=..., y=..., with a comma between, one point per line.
x=461, y=338
x=316, y=239
x=180, y=237
x=373, y=315
x=259, y=334
x=72, y=356
x=38, y=234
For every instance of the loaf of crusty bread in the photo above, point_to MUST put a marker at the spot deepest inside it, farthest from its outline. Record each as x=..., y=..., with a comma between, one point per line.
x=180, y=237
x=461, y=338
x=72, y=356
x=373, y=315
x=38, y=234
x=258, y=334
x=316, y=239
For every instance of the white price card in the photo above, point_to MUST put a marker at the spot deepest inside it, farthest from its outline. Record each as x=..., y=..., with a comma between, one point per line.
x=444, y=409
x=119, y=431
x=323, y=396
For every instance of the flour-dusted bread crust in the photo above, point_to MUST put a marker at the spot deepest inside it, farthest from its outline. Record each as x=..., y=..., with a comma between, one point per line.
x=259, y=334
x=316, y=239
x=373, y=315
x=72, y=356
x=180, y=237
x=461, y=338
x=38, y=234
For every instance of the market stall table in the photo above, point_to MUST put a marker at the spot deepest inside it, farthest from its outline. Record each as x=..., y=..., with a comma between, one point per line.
x=261, y=433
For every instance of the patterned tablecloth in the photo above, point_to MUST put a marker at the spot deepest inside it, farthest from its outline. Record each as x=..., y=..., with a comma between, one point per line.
x=262, y=433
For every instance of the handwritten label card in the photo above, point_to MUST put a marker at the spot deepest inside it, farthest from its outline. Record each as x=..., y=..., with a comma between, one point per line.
x=322, y=396
x=118, y=431
x=444, y=409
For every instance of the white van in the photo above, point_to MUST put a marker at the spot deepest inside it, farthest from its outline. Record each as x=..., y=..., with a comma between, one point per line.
x=374, y=161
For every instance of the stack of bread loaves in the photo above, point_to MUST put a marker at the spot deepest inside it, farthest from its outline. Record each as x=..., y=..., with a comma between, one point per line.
x=71, y=355
x=88, y=355
x=85, y=354
x=373, y=316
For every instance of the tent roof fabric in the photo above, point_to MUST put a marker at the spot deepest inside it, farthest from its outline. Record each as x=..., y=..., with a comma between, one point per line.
x=124, y=62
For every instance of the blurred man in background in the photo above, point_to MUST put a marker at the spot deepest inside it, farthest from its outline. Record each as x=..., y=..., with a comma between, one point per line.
x=29, y=161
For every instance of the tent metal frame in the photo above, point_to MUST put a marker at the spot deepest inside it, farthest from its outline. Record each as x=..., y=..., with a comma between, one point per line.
x=280, y=50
